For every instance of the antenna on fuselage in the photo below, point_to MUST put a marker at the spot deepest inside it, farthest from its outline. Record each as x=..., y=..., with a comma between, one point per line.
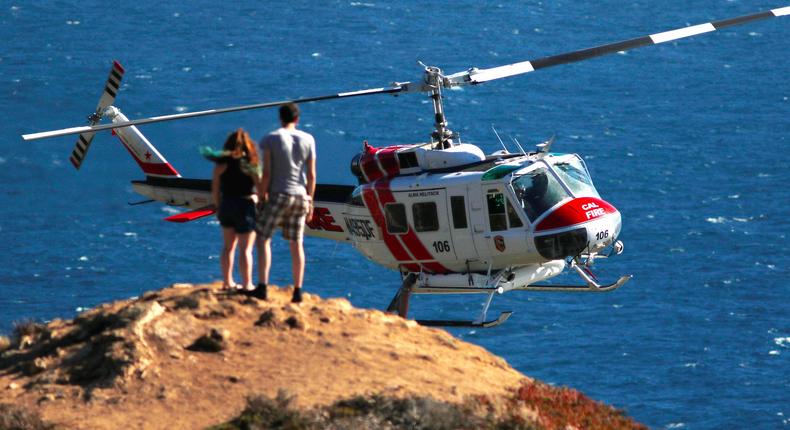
x=500, y=139
x=523, y=152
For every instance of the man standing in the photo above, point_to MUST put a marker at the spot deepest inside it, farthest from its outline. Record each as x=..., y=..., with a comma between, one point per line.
x=286, y=191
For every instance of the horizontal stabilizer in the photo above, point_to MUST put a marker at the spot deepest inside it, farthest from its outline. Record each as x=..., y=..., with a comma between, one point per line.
x=192, y=215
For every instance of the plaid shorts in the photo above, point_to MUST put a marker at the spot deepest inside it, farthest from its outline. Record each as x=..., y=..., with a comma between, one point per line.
x=286, y=211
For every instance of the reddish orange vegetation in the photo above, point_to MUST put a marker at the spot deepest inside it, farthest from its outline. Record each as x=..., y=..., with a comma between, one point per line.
x=562, y=408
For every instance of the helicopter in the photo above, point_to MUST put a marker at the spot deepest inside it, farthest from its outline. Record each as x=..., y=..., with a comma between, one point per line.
x=449, y=218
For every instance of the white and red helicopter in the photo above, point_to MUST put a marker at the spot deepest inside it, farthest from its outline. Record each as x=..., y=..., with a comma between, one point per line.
x=448, y=217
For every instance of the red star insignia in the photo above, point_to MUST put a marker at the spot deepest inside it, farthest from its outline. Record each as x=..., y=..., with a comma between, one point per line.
x=147, y=155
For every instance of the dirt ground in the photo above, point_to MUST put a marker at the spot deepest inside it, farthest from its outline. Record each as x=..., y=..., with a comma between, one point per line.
x=189, y=356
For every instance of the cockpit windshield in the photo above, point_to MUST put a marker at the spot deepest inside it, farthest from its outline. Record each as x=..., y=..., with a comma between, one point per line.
x=573, y=172
x=537, y=191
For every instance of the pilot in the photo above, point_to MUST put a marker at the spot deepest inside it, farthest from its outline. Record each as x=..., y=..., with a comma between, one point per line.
x=534, y=196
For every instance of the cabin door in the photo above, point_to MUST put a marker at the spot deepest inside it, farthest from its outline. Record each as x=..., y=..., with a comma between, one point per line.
x=461, y=225
x=505, y=231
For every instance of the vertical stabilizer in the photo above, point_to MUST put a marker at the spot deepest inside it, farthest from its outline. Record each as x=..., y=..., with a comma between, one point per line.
x=144, y=153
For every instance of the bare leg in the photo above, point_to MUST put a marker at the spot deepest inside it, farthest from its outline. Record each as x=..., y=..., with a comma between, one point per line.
x=264, y=259
x=297, y=262
x=226, y=258
x=246, y=242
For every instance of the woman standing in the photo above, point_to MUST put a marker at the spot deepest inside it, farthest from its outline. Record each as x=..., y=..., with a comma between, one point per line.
x=233, y=183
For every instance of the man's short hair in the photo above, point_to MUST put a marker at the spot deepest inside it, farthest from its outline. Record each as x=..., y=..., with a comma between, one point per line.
x=289, y=113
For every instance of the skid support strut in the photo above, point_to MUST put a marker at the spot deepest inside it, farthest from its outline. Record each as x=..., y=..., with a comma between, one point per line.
x=400, y=302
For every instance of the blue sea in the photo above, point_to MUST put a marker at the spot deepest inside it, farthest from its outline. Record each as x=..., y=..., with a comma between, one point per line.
x=689, y=140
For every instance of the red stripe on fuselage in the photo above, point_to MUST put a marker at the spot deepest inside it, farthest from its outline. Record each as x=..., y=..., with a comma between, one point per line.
x=379, y=163
x=388, y=161
x=369, y=195
x=410, y=239
x=369, y=165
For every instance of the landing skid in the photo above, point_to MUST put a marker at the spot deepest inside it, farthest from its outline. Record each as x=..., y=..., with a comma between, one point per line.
x=591, y=287
x=455, y=323
x=502, y=281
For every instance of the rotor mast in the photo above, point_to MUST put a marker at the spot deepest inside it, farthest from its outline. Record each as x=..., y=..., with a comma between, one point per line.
x=442, y=135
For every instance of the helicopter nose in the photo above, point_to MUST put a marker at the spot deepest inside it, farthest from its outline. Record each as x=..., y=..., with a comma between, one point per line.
x=585, y=224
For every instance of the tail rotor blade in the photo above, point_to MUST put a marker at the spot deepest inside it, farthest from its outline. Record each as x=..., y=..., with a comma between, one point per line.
x=110, y=88
x=81, y=149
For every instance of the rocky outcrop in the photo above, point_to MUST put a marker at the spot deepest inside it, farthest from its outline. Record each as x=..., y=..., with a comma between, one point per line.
x=191, y=356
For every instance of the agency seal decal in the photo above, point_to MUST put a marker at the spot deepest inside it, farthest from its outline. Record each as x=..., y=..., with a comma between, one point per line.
x=499, y=243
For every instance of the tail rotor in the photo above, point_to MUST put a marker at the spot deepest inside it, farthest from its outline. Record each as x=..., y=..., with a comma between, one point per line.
x=107, y=98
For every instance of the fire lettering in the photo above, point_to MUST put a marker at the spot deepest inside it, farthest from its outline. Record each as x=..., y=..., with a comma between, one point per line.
x=592, y=210
x=323, y=220
x=595, y=213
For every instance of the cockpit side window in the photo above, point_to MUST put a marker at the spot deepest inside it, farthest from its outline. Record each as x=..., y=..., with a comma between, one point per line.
x=537, y=191
x=501, y=211
x=512, y=216
x=574, y=173
x=496, y=211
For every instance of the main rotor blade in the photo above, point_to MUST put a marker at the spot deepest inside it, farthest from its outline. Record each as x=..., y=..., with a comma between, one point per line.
x=77, y=130
x=477, y=76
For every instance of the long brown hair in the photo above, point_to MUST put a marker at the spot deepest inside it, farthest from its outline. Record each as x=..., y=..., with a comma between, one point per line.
x=240, y=145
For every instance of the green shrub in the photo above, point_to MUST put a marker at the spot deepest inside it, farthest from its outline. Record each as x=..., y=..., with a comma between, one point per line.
x=558, y=408
x=265, y=413
x=409, y=413
x=15, y=418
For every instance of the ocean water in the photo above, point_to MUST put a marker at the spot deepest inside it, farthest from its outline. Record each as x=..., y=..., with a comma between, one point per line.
x=689, y=140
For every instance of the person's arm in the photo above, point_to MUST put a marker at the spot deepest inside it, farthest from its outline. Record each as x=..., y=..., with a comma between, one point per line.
x=263, y=184
x=215, y=178
x=311, y=184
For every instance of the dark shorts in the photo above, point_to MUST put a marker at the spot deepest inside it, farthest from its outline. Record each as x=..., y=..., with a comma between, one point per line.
x=237, y=213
